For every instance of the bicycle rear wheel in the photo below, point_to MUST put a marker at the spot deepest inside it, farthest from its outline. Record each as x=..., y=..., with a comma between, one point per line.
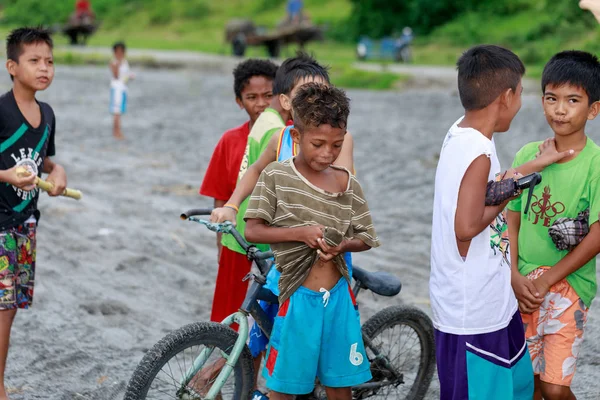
x=404, y=336
x=160, y=373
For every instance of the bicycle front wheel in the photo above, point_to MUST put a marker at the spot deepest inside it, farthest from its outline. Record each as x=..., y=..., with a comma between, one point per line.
x=167, y=370
x=403, y=336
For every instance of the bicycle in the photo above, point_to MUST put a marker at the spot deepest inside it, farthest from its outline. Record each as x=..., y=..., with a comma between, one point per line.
x=201, y=377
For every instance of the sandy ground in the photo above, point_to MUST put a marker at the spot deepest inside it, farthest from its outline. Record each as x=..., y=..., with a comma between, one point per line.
x=118, y=270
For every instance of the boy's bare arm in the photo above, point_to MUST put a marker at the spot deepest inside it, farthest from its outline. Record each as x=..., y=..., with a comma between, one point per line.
x=246, y=185
x=472, y=215
x=584, y=252
x=527, y=295
x=257, y=231
x=114, y=68
x=345, y=159
x=546, y=156
x=217, y=204
x=56, y=175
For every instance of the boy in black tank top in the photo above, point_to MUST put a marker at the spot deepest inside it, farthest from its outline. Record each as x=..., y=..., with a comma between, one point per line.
x=26, y=140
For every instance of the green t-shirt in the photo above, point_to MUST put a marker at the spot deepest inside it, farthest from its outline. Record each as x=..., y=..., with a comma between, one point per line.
x=267, y=124
x=566, y=190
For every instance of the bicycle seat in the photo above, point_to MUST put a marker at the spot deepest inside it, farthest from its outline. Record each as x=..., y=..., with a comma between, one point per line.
x=382, y=283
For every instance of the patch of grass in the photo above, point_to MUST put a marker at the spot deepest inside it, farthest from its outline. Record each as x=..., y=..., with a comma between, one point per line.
x=352, y=78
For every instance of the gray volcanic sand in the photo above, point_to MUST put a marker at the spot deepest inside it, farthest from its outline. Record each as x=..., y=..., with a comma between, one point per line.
x=118, y=270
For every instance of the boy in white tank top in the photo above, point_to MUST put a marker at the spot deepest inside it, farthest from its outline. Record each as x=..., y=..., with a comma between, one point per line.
x=480, y=347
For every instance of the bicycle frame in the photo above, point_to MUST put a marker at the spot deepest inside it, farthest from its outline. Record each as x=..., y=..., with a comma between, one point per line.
x=250, y=306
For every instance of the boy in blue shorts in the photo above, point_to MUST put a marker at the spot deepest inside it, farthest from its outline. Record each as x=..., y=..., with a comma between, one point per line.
x=27, y=136
x=311, y=212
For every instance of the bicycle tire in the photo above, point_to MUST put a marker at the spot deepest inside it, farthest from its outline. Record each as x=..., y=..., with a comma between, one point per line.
x=199, y=333
x=421, y=324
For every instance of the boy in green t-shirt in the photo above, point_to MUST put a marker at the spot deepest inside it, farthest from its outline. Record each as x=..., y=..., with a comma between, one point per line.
x=555, y=287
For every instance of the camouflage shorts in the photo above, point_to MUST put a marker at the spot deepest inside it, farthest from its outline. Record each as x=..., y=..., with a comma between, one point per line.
x=17, y=266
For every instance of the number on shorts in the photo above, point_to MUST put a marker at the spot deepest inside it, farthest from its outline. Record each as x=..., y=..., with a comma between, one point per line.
x=355, y=357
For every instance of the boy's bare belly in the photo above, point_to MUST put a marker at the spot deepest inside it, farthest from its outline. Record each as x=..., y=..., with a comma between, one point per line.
x=322, y=275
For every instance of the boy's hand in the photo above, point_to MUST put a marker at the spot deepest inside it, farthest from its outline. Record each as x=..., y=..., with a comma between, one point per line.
x=222, y=214
x=527, y=294
x=541, y=286
x=548, y=154
x=311, y=235
x=58, y=178
x=326, y=252
x=24, y=181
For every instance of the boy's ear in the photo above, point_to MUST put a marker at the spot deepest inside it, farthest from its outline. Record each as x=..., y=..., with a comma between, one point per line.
x=11, y=65
x=507, y=97
x=239, y=102
x=593, y=111
x=285, y=102
x=295, y=135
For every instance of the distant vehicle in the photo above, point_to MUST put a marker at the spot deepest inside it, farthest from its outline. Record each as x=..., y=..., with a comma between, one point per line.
x=80, y=27
x=242, y=33
x=390, y=48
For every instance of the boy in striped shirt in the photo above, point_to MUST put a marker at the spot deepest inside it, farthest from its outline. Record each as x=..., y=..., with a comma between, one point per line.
x=311, y=212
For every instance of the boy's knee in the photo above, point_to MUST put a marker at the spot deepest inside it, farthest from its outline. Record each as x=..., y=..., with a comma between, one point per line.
x=556, y=392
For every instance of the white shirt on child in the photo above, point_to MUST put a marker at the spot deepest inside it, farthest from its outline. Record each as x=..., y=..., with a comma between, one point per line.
x=473, y=295
x=124, y=75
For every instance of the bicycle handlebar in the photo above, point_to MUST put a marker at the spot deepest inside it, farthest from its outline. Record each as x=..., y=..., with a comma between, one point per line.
x=227, y=227
x=194, y=212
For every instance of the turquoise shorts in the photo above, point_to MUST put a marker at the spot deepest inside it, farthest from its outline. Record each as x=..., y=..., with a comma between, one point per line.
x=317, y=334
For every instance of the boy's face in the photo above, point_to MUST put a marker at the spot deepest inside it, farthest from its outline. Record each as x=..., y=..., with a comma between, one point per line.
x=35, y=69
x=286, y=100
x=567, y=108
x=256, y=96
x=513, y=105
x=119, y=53
x=319, y=146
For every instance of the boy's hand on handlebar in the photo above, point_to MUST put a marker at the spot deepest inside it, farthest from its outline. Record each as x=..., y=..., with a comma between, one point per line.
x=548, y=154
x=311, y=235
x=222, y=214
x=526, y=293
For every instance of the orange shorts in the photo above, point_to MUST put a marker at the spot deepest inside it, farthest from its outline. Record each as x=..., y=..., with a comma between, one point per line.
x=555, y=331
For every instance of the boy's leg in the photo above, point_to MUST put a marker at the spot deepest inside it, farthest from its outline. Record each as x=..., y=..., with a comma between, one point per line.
x=343, y=362
x=338, y=393
x=117, y=127
x=117, y=104
x=6, y=319
x=17, y=270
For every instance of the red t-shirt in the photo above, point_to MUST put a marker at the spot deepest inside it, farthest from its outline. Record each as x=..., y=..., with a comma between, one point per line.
x=222, y=172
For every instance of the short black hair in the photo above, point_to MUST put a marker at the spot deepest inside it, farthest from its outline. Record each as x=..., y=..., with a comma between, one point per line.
x=24, y=36
x=295, y=69
x=119, y=45
x=573, y=67
x=484, y=72
x=316, y=104
x=245, y=70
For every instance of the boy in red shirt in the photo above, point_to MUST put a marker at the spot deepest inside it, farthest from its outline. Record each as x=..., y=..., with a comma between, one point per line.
x=253, y=87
